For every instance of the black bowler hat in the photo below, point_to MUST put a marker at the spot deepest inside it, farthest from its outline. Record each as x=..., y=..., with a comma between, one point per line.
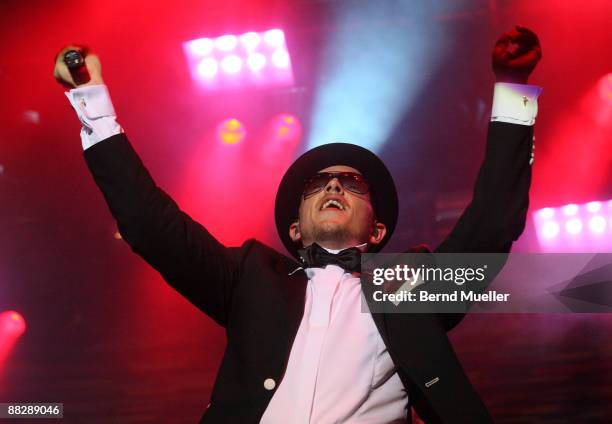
x=382, y=187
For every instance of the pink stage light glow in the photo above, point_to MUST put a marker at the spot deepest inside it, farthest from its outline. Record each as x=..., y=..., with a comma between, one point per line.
x=605, y=88
x=226, y=43
x=597, y=224
x=219, y=63
x=575, y=228
x=256, y=61
x=550, y=229
x=231, y=131
x=286, y=128
x=208, y=68
x=12, y=326
x=231, y=64
x=250, y=40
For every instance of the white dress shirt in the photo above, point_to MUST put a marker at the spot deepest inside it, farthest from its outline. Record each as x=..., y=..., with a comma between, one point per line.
x=339, y=370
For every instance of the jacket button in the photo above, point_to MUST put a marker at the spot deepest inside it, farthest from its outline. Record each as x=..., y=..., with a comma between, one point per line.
x=269, y=384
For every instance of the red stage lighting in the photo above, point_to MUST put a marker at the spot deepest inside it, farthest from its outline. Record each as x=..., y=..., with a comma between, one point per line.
x=12, y=326
x=575, y=228
x=280, y=58
x=208, y=68
x=231, y=131
x=256, y=61
x=226, y=43
x=219, y=63
x=250, y=40
x=231, y=64
x=202, y=46
x=605, y=88
x=286, y=128
x=275, y=38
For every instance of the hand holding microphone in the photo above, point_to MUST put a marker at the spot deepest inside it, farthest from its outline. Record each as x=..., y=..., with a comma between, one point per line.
x=75, y=67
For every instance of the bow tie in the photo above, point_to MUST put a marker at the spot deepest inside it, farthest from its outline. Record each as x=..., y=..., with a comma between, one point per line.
x=315, y=256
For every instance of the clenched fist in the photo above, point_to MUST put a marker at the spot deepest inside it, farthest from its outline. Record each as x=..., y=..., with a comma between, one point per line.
x=92, y=62
x=516, y=55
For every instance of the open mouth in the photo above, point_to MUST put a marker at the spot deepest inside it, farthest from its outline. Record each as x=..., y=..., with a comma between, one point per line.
x=332, y=204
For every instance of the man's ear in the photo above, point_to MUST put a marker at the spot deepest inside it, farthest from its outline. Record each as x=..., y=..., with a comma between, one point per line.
x=294, y=231
x=378, y=233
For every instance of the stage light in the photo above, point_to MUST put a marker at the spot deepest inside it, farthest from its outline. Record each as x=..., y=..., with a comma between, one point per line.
x=256, y=61
x=274, y=37
x=597, y=224
x=570, y=210
x=586, y=227
x=605, y=88
x=546, y=213
x=226, y=42
x=250, y=40
x=593, y=206
x=231, y=131
x=286, y=128
x=573, y=226
x=12, y=324
x=231, y=64
x=374, y=72
x=550, y=229
x=202, y=46
x=241, y=60
x=208, y=68
x=280, y=59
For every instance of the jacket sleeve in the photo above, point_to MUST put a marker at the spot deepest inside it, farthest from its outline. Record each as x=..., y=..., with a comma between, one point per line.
x=497, y=213
x=496, y=216
x=188, y=257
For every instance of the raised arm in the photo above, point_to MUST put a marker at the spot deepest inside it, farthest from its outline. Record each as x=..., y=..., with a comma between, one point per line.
x=496, y=216
x=188, y=257
x=497, y=213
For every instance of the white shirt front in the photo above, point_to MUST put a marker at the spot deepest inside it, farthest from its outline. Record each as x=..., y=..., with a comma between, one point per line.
x=339, y=369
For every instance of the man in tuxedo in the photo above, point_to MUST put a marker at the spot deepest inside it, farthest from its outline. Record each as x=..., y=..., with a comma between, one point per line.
x=299, y=349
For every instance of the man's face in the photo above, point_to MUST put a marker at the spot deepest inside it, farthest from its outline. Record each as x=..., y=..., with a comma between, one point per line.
x=334, y=217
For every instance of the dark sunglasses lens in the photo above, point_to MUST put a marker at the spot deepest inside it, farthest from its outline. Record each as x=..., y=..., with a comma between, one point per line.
x=315, y=184
x=351, y=182
x=354, y=183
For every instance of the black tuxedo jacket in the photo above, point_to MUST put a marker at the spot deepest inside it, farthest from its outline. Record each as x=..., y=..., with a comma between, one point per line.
x=251, y=291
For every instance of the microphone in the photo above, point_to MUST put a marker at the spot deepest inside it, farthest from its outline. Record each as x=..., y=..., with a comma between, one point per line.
x=75, y=61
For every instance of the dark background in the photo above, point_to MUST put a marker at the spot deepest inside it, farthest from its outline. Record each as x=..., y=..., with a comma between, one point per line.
x=108, y=338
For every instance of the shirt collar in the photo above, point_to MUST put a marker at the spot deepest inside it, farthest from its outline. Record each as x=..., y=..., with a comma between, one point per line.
x=361, y=247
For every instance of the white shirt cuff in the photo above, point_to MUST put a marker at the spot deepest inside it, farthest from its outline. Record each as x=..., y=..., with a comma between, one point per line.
x=515, y=103
x=95, y=110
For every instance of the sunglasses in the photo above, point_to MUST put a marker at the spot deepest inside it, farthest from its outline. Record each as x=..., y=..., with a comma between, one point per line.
x=350, y=181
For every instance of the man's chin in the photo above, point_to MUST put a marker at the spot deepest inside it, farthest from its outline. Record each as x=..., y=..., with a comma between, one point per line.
x=331, y=225
x=330, y=232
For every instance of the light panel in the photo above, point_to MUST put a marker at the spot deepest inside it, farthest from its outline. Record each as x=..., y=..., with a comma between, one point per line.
x=240, y=60
x=575, y=227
